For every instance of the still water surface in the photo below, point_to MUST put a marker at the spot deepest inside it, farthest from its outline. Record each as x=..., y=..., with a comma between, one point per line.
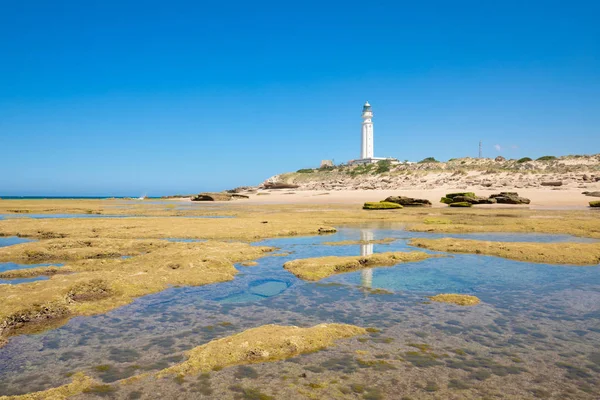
x=535, y=335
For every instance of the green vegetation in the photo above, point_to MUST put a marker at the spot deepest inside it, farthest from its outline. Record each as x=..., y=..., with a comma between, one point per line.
x=380, y=205
x=546, y=158
x=428, y=160
x=305, y=171
x=524, y=159
x=383, y=166
x=362, y=170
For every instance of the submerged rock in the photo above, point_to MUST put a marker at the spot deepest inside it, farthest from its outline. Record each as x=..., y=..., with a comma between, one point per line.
x=458, y=299
x=408, y=201
x=592, y=194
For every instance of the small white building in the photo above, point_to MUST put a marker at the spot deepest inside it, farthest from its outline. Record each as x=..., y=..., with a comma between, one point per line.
x=367, y=149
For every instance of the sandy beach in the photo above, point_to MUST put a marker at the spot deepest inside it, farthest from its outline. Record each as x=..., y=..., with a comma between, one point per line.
x=560, y=199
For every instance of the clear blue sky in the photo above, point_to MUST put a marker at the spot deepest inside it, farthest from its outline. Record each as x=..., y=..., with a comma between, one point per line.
x=160, y=97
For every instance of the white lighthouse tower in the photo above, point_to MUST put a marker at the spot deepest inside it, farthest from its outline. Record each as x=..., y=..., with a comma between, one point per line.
x=366, y=150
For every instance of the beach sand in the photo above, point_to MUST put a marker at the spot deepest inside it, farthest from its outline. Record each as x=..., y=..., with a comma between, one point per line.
x=560, y=199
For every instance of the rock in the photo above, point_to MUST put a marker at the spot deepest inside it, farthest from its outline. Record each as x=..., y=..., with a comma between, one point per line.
x=327, y=229
x=499, y=159
x=408, y=201
x=218, y=197
x=381, y=205
x=552, y=183
x=595, y=203
x=509, y=198
x=592, y=194
x=278, y=185
x=461, y=204
x=241, y=189
x=466, y=194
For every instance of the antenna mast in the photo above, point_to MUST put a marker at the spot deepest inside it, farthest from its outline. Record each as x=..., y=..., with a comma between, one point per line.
x=480, y=149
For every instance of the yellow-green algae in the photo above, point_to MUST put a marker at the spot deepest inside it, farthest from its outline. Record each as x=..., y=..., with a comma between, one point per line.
x=355, y=242
x=78, y=385
x=547, y=253
x=262, y=344
x=314, y=269
x=458, y=299
x=381, y=205
x=94, y=286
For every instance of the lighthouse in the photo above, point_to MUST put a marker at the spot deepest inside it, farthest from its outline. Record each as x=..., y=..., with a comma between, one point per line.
x=367, y=152
x=366, y=149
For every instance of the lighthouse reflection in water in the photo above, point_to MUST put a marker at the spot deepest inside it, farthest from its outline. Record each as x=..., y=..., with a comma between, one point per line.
x=366, y=249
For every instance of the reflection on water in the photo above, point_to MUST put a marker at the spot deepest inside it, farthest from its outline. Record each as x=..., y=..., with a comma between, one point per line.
x=366, y=249
x=535, y=335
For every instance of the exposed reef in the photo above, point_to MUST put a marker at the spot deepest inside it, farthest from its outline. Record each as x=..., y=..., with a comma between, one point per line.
x=458, y=299
x=314, y=269
x=548, y=253
x=595, y=203
x=92, y=286
x=262, y=344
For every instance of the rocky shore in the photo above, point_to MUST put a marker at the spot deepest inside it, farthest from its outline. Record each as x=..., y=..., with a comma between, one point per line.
x=566, y=172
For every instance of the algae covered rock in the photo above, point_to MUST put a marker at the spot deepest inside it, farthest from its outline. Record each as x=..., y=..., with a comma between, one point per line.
x=380, y=205
x=408, y=201
x=458, y=299
x=509, y=198
x=461, y=204
x=313, y=269
x=595, y=203
x=463, y=194
x=263, y=344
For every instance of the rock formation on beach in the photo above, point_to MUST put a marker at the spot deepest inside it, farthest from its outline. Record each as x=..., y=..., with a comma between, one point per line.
x=467, y=199
x=408, y=201
x=218, y=196
x=487, y=173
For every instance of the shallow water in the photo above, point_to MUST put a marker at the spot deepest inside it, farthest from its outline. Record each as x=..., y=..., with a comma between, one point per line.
x=535, y=335
x=10, y=266
x=11, y=240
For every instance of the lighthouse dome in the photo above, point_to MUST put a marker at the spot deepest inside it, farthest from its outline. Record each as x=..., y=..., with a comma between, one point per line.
x=367, y=107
